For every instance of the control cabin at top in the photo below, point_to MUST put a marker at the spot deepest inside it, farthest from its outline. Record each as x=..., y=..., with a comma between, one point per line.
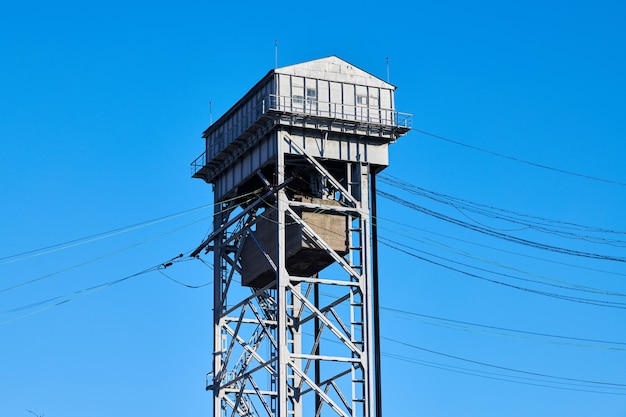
x=332, y=109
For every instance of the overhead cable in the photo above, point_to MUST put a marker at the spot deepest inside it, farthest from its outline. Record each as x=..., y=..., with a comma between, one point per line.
x=569, y=340
x=497, y=234
x=558, y=283
x=504, y=377
x=394, y=245
x=92, y=238
x=499, y=249
x=603, y=384
x=542, y=224
x=66, y=298
x=88, y=239
x=98, y=258
x=512, y=158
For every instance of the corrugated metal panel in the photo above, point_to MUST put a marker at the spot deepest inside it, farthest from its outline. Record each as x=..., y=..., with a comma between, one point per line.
x=334, y=69
x=241, y=118
x=342, y=147
x=246, y=165
x=321, y=97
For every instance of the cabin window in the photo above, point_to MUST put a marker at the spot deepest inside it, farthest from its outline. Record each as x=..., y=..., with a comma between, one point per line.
x=361, y=100
x=311, y=95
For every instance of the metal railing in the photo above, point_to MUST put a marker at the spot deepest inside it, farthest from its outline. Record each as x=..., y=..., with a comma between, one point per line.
x=305, y=107
x=198, y=163
x=339, y=111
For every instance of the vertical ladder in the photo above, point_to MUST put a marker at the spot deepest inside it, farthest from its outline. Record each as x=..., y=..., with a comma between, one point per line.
x=357, y=298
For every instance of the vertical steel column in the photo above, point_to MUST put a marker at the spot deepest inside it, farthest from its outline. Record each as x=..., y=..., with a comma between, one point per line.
x=376, y=305
x=361, y=304
x=366, y=275
x=281, y=370
x=295, y=344
x=220, y=216
x=282, y=282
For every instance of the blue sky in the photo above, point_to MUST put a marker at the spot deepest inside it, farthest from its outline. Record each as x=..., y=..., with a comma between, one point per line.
x=101, y=111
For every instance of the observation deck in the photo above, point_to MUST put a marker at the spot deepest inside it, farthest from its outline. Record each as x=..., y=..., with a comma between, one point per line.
x=374, y=122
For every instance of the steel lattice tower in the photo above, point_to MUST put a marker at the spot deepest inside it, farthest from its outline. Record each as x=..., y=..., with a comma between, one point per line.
x=293, y=166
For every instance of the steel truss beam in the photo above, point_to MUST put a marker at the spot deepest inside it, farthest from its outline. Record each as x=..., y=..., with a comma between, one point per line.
x=302, y=345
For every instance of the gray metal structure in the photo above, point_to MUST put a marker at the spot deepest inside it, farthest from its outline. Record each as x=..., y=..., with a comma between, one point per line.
x=293, y=166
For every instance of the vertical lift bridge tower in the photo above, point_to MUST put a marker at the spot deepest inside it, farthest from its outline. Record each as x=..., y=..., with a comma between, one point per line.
x=293, y=166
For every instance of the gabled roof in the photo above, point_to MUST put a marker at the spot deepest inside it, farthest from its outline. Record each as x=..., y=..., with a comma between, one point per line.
x=333, y=68
x=330, y=68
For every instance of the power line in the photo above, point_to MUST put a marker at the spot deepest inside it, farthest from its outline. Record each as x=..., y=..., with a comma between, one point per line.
x=569, y=340
x=168, y=264
x=512, y=158
x=71, y=296
x=517, y=287
x=604, y=384
x=88, y=239
x=497, y=376
x=161, y=267
x=63, y=299
x=108, y=234
x=40, y=278
x=558, y=283
x=497, y=234
x=566, y=339
x=499, y=249
x=542, y=224
x=517, y=379
x=555, y=283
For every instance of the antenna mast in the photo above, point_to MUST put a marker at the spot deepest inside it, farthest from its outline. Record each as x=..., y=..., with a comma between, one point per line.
x=276, y=54
x=388, y=69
